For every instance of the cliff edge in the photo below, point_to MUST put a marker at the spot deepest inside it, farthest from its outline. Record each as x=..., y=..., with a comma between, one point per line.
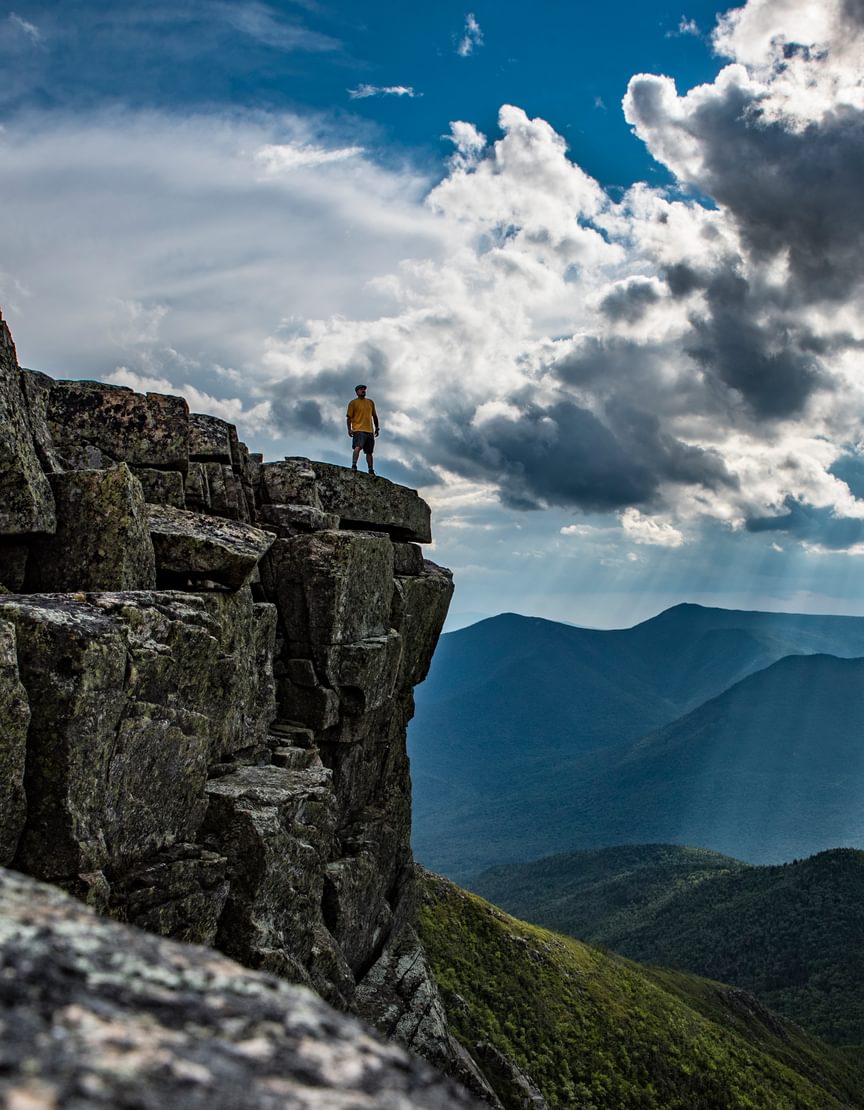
x=206, y=673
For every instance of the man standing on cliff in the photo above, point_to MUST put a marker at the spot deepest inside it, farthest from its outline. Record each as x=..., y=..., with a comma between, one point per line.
x=361, y=417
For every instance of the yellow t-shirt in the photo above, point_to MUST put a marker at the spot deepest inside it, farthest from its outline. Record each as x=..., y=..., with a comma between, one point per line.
x=361, y=412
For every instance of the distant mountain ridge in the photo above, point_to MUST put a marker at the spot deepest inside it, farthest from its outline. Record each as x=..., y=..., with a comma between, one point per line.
x=790, y=934
x=532, y=737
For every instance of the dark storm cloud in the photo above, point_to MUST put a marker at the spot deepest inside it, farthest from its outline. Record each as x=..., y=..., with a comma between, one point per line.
x=789, y=190
x=741, y=339
x=771, y=363
x=334, y=386
x=853, y=11
x=683, y=279
x=816, y=525
x=629, y=302
x=301, y=414
x=610, y=361
x=564, y=455
x=414, y=474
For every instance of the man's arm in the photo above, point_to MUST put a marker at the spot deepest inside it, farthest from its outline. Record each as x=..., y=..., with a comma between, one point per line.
x=375, y=418
x=348, y=418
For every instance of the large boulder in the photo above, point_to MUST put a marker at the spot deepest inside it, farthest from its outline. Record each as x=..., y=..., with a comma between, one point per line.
x=26, y=501
x=420, y=604
x=192, y=546
x=180, y=893
x=102, y=541
x=275, y=825
x=332, y=588
x=210, y=438
x=99, y=1015
x=149, y=430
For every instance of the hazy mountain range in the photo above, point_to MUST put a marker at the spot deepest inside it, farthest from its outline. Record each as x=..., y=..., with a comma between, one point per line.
x=735, y=731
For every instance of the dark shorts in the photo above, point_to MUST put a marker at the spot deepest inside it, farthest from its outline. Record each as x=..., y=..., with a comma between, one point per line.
x=364, y=440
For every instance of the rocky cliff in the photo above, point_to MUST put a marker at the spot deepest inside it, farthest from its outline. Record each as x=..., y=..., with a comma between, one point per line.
x=206, y=672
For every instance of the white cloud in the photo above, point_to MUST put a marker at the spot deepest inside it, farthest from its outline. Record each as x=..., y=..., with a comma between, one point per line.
x=685, y=27
x=648, y=530
x=25, y=27
x=364, y=91
x=469, y=142
x=276, y=157
x=184, y=248
x=472, y=37
x=645, y=359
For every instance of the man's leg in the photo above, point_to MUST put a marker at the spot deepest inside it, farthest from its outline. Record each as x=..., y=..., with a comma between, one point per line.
x=369, y=462
x=355, y=457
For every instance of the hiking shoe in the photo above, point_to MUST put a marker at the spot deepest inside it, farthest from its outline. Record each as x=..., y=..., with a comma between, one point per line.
x=371, y=471
x=354, y=467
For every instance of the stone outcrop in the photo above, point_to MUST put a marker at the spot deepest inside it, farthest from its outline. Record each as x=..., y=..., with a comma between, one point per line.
x=192, y=546
x=102, y=540
x=206, y=673
x=100, y=1015
x=26, y=501
x=349, y=495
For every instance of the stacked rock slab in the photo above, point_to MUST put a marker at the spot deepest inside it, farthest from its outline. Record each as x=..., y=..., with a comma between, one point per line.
x=206, y=673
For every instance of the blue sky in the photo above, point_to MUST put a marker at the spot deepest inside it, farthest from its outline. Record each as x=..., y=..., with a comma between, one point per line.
x=601, y=267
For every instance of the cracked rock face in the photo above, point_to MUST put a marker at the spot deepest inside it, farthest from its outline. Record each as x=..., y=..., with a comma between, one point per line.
x=359, y=500
x=26, y=501
x=191, y=546
x=98, y=1015
x=206, y=676
x=132, y=697
x=102, y=540
x=15, y=718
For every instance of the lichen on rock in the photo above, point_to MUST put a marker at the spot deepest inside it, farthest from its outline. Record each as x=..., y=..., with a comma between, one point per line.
x=26, y=501
x=205, y=681
x=105, y=1016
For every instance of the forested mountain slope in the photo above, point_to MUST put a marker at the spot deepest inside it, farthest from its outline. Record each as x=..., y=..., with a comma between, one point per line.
x=793, y=934
x=594, y=1030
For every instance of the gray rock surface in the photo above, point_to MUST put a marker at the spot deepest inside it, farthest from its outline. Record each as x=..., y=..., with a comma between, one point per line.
x=209, y=438
x=221, y=759
x=132, y=697
x=360, y=501
x=518, y=1091
x=161, y=487
x=26, y=501
x=14, y=721
x=13, y=563
x=142, y=430
x=191, y=546
x=333, y=587
x=98, y=1015
x=102, y=541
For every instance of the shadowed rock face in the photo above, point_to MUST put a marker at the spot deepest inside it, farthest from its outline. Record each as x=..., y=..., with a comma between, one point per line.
x=26, y=501
x=98, y=1015
x=220, y=758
